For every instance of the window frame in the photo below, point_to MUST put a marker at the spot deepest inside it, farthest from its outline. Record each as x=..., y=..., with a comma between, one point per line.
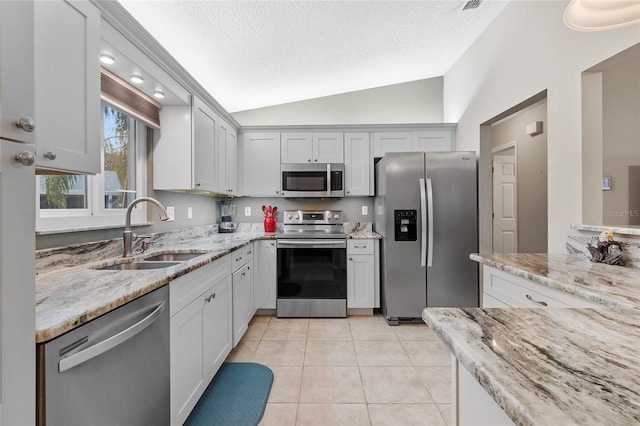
x=96, y=216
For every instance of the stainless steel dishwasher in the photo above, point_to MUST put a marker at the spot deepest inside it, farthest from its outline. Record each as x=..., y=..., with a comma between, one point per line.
x=113, y=370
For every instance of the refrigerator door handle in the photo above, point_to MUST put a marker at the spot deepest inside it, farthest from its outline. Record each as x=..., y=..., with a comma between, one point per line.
x=430, y=214
x=423, y=222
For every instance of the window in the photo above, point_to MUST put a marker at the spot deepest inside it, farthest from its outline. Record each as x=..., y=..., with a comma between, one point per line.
x=78, y=201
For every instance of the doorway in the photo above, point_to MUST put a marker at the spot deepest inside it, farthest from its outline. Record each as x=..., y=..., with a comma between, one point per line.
x=514, y=144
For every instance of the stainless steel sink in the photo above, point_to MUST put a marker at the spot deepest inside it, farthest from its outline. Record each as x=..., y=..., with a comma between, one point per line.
x=137, y=266
x=171, y=257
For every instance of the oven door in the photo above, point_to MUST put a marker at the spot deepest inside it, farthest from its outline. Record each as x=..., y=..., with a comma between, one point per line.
x=312, y=278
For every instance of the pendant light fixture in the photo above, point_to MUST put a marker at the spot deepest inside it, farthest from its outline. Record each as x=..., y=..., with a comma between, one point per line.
x=598, y=15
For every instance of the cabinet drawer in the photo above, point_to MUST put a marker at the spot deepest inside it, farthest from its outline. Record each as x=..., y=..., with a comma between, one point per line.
x=187, y=288
x=360, y=246
x=522, y=293
x=242, y=256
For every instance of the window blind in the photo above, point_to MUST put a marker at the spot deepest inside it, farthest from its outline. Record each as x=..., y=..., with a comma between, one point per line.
x=127, y=98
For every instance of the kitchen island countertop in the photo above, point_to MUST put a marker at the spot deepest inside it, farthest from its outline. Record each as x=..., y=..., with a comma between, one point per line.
x=550, y=366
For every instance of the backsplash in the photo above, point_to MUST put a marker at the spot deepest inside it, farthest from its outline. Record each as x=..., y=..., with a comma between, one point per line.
x=79, y=254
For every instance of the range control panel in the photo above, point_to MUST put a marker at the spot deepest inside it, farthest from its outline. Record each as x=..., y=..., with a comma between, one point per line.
x=406, y=225
x=313, y=217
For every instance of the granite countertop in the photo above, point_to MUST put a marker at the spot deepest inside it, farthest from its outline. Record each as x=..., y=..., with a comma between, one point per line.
x=608, y=285
x=70, y=291
x=549, y=366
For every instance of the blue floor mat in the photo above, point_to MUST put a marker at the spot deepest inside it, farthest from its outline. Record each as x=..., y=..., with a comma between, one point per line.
x=237, y=395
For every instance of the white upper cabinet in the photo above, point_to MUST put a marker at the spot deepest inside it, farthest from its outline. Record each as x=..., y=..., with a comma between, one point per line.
x=357, y=170
x=306, y=147
x=188, y=155
x=67, y=86
x=205, y=152
x=259, y=172
x=432, y=140
x=16, y=71
x=227, y=159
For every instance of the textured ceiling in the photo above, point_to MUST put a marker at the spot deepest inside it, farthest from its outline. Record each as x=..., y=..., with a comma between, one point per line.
x=251, y=54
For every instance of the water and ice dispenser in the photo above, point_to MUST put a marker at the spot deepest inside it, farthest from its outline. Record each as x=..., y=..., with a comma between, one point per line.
x=406, y=225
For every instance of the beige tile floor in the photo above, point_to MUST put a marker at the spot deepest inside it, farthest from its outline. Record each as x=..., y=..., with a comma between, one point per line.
x=353, y=371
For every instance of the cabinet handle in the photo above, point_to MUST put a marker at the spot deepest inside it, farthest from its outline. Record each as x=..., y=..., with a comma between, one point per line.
x=197, y=184
x=27, y=124
x=309, y=160
x=239, y=259
x=277, y=192
x=273, y=244
x=535, y=301
x=211, y=296
x=348, y=192
x=351, y=259
x=316, y=160
x=243, y=274
x=357, y=246
x=25, y=158
x=50, y=155
x=249, y=252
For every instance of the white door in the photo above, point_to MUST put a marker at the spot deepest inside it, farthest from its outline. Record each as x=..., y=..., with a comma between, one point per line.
x=505, y=219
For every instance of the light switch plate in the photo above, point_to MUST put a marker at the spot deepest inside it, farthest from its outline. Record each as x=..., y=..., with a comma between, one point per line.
x=365, y=211
x=172, y=213
x=247, y=211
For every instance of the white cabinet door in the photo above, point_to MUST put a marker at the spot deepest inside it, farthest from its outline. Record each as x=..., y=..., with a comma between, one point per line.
x=328, y=148
x=187, y=359
x=16, y=70
x=67, y=86
x=227, y=159
x=266, y=275
x=434, y=141
x=242, y=301
x=358, y=166
x=217, y=331
x=260, y=159
x=296, y=148
x=384, y=142
x=205, y=155
x=361, y=276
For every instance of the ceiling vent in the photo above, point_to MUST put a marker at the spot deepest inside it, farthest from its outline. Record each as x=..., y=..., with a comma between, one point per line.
x=472, y=4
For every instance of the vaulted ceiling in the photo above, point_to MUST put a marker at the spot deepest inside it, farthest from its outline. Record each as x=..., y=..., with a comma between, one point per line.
x=251, y=54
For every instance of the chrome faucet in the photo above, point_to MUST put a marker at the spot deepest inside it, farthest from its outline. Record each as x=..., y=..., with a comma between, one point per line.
x=127, y=236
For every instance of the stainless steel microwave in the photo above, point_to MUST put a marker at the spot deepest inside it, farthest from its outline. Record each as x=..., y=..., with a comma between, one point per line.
x=316, y=180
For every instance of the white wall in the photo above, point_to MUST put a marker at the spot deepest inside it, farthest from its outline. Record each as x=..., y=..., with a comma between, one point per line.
x=412, y=102
x=526, y=50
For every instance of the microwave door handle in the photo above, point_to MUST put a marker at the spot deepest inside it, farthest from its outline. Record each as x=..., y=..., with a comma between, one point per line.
x=329, y=179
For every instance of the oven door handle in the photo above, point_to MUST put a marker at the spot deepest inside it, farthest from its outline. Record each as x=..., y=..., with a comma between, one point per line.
x=312, y=244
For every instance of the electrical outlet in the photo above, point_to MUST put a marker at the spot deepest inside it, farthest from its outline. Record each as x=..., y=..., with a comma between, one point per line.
x=247, y=211
x=189, y=213
x=172, y=213
x=365, y=210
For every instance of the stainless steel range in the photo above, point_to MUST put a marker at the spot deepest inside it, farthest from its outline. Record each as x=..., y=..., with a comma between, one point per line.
x=312, y=265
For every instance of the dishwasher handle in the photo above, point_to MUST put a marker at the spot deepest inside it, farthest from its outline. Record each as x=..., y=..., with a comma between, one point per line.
x=110, y=342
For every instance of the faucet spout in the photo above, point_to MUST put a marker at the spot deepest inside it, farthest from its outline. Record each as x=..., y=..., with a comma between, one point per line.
x=127, y=235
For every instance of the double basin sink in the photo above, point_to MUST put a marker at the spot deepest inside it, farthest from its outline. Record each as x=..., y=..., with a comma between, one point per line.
x=158, y=261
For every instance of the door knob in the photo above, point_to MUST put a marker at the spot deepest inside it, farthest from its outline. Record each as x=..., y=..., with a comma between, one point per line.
x=27, y=124
x=25, y=158
x=50, y=155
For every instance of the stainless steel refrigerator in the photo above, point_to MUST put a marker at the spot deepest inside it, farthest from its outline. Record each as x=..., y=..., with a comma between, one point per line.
x=426, y=210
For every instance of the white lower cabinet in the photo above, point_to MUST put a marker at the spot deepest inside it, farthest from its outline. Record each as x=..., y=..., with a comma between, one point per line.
x=363, y=281
x=200, y=333
x=242, y=291
x=265, y=279
x=504, y=290
x=472, y=405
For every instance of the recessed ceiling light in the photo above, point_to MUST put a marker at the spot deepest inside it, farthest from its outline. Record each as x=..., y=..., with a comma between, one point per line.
x=158, y=94
x=107, y=59
x=135, y=78
x=586, y=15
